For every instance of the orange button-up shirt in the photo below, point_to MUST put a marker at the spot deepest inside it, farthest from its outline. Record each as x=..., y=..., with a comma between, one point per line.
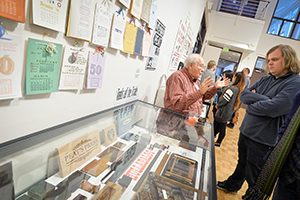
x=183, y=95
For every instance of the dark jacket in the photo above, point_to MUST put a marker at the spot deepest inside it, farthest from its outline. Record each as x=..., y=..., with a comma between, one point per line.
x=268, y=107
x=226, y=104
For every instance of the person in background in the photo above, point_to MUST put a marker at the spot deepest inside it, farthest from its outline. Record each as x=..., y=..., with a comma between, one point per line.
x=246, y=72
x=268, y=103
x=184, y=93
x=209, y=72
x=228, y=74
x=234, y=118
x=227, y=104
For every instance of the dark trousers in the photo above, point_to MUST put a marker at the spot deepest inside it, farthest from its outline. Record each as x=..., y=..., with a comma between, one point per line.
x=251, y=158
x=285, y=191
x=214, y=110
x=219, y=128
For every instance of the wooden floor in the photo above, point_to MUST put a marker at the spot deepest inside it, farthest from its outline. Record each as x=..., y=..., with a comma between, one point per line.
x=226, y=159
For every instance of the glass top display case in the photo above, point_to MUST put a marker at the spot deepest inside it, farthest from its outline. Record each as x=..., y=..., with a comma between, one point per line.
x=133, y=151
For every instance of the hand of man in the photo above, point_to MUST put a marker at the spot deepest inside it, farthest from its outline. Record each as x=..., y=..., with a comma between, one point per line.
x=222, y=83
x=205, y=85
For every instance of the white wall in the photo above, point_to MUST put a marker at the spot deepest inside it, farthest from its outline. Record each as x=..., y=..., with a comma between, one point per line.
x=26, y=115
x=170, y=12
x=234, y=30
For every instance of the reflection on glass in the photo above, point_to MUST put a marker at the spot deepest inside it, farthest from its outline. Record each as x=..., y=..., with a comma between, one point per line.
x=286, y=29
x=287, y=9
x=275, y=26
x=296, y=33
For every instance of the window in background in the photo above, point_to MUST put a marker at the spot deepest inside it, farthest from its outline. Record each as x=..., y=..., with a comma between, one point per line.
x=229, y=60
x=247, y=8
x=286, y=19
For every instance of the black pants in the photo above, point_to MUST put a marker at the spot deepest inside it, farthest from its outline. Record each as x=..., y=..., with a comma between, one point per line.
x=251, y=158
x=214, y=110
x=219, y=128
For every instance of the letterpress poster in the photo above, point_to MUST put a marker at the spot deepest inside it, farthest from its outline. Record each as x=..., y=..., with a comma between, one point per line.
x=77, y=152
x=157, y=37
x=136, y=8
x=182, y=46
x=80, y=23
x=50, y=14
x=153, y=14
x=73, y=68
x=117, y=31
x=13, y=9
x=102, y=24
x=139, y=41
x=129, y=38
x=145, y=15
x=95, y=70
x=146, y=44
x=177, y=49
x=11, y=60
x=42, y=66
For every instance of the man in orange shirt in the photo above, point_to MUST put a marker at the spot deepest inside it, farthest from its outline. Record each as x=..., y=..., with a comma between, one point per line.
x=184, y=93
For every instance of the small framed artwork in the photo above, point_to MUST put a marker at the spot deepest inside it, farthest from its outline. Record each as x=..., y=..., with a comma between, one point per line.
x=181, y=169
x=260, y=64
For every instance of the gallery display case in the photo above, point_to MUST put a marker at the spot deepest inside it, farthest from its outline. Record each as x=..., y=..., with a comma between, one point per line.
x=133, y=151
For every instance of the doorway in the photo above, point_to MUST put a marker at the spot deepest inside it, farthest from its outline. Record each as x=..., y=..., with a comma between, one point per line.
x=228, y=61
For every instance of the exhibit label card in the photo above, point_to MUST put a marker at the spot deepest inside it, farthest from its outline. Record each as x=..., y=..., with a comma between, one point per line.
x=129, y=38
x=95, y=70
x=73, y=68
x=11, y=62
x=102, y=24
x=42, y=66
x=13, y=9
x=74, y=154
x=117, y=31
x=50, y=14
x=80, y=23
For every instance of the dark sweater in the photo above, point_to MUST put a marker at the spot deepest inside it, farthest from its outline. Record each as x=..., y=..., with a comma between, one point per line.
x=226, y=104
x=268, y=107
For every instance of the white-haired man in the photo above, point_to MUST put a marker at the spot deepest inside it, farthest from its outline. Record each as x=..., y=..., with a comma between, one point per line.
x=184, y=93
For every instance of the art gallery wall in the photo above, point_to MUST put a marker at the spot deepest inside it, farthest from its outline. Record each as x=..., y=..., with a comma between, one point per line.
x=29, y=114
